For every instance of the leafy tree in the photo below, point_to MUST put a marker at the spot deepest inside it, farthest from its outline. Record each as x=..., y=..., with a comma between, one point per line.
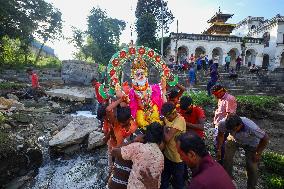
x=154, y=7
x=49, y=28
x=146, y=28
x=25, y=19
x=104, y=33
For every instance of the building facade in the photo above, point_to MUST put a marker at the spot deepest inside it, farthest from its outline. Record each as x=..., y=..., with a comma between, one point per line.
x=255, y=40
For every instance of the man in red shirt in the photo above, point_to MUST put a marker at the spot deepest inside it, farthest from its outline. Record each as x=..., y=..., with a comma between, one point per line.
x=193, y=115
x=34, y=78
x=206, y=172
x=35, y=90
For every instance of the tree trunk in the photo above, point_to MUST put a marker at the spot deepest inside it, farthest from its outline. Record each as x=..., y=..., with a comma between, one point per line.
x=38, y=54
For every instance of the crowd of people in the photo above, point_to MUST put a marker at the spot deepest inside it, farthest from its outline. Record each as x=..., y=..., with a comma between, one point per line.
x=162, y=153
x=157, y=147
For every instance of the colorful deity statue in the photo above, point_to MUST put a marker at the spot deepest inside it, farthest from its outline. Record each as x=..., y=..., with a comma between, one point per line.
x=145, y=100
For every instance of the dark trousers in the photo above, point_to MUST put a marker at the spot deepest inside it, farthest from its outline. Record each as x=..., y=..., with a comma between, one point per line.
x=227, y=66
x=174, y=170
x=238, y=67
x=210, y=84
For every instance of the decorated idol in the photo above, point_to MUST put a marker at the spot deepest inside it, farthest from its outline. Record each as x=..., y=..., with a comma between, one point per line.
x=145, y=100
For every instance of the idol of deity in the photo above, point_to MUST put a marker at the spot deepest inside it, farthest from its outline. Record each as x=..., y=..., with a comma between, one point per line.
x=145, y=100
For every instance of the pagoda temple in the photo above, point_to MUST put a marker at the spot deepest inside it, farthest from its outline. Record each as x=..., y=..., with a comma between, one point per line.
x=218, y=24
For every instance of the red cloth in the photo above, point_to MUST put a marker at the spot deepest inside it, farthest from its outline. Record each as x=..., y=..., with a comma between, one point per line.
x=99, y=97
x=35, y=83
x=196, y=114
x=210, y=175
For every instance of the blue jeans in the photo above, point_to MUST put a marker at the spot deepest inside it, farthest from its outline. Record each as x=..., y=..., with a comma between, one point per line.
x=176, y=170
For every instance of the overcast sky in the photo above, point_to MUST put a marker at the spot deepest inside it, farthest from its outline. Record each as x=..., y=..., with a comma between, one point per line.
x=191, y=14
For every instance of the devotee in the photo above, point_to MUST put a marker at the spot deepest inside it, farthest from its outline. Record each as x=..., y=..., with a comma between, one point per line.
x=145, y=154
x=238, y=63
x=193, y=115
x=216, y=61
x=233, y=74
x=121, y=126
x=35, y=87
x=174, y=167
x=206, y=172
x=192, y=59
x=227, y=104
x=174, y=95
x=227, y=62
x=191, y=76
x=244, y=133
x=214, y=76
x=253, y=69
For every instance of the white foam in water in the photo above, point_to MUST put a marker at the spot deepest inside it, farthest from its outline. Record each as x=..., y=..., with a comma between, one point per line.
x=84, y=113
x=78, y=173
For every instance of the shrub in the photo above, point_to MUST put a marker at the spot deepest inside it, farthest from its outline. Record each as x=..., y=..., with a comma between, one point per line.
x=274, y=181
x=11, y=85
x=2, y=118
x=201, y=98
x=274, y=162
x=258, y=102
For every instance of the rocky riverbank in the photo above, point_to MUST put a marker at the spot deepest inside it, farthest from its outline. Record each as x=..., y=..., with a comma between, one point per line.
x=32, y=131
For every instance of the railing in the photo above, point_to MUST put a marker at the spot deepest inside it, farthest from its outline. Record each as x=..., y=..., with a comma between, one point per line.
x=203, y=37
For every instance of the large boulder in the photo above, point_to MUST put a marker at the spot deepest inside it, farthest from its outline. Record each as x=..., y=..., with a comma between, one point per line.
x=72, y=93
x=75, y=132
x=78, y=72
x=95, y=140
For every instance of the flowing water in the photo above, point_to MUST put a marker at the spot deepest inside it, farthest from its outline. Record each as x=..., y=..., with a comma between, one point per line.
x=81, y=171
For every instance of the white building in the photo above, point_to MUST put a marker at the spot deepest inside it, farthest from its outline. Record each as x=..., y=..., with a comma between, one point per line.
x=255, y=40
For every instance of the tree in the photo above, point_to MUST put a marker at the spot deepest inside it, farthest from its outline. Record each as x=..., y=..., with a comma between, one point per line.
x=104, y=35
x=154, y=7
x=49, y=28
x=146, y=29
x=25, y=19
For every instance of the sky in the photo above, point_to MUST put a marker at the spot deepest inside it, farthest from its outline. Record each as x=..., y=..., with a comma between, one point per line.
x=192, y=15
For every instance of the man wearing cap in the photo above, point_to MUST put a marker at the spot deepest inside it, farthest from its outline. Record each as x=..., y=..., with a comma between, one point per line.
x=227, y=104
x=193, y=115
x=244, y=133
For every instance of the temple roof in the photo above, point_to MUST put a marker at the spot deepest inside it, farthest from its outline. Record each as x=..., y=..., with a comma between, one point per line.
x=220, y=28
x=220, y=17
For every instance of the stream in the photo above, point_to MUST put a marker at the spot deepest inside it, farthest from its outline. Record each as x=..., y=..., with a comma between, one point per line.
x=86, y=170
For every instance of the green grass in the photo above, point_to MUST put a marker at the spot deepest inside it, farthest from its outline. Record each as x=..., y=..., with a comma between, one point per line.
x=274, y=170
x=274, y=162
x=274, y=181
x=201, y=98
x=256, y=101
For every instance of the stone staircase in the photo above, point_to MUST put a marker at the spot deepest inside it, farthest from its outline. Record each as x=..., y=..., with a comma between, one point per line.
x=264, y=83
